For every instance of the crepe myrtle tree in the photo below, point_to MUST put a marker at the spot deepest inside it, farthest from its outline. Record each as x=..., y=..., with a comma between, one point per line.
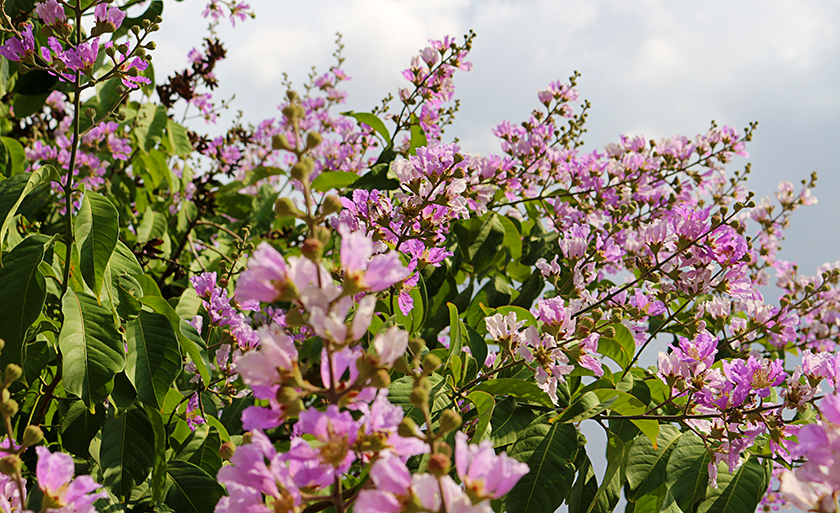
x=341, y=311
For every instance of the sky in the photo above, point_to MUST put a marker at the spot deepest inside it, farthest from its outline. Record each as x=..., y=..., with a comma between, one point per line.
x=649, y=67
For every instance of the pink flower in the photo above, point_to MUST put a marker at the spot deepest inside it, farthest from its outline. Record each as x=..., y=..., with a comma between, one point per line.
x=16, y=49
x=50, y=12
x=266, y=276
x=108, y=19
x=485, y=474
x=390, y=345
x=83, y=57
x=54, y=472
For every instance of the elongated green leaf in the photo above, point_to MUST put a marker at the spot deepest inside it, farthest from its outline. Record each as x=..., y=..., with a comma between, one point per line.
x=400, y=391
x=13, y=190
x=526, y=391
x=189, y=339
x=16, y=154
x=687, y=473
x=97, y=232
x=738, y=492
x=22, y=294
x=456, y=330
x=154, y=360
x=158, y=483
x=193, y=490
x=417, y=139
x=646, y=464
x=79, y=426
x=178, y=139
x=151, y=122
x=584, y=407
x=92, y=348
x=509, y=420
x=484, y=403
x=333, y=180
x=620, y=348
x=616, y=452
x=127, y=450
x=371, y=121
x=549, y=450
x=513, y=239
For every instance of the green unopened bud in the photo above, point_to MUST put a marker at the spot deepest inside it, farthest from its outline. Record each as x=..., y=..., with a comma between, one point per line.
x=158, y=19
x=430, y=363
x=285, y=395
x=32, y=435
x=2, y=344
x=380, y=379
x=294, y=318
x=298, y=172
x=609, y=332
x=439, y=465
x=292, y=95
x=401, y=364
x=135, y=30
x=110, y=51
x=322, y=233
x=227, y=450
x=294, y=408
x=312, y=249
x=10, y=465
x=151, y=45
x=331, y=205
x=407, y=428
x=90, y=113
x=289, y=112
x=154, y=28
x=313, y=139
x=147, y=23
x=13, y=373
x=285, y=207
x=419, y=397
x=416, y=345
x=450, y=420
x=280, y=142
x=9, y=408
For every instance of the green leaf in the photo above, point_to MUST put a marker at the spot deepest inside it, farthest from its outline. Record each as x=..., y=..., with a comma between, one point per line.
x=417, y=138
x=478, y=347
x=513, y=239
x=127, y=450
x=154, y=360
x=738, y=492
x=521, y=315
x=13, y=190
x=193, y=490
x=79, y=426
x=158, y=482
x=154, y=10
x=189, y=339
x=484, y=404
x=97, y=232
x=620, y=348
x=400, y=390
x=616, y=452
x=687, y=473
x=16, y=163
x=371, y=121
x=22, y=294
x=25, y=105
x=584, y=407
x=508, y=421
x=92, y=348
x=646, y=464
x=178, y=139
x=527, y=391
x=333, y=180
x=549, y=449
x=151, y=122
x=456, y=330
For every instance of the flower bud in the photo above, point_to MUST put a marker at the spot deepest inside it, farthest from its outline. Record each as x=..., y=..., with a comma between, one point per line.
x=289, y=112
x=312, y=249
x=302, y=169
x=450, y=420
x=227, y=450
x=285, y=207
x=294, y=408
x=90, y=113
x=430, y=363
x=292, y=95
x=417, y=345
x=151, y=45
x=609, y=332
x=10, y=465
x=313, y=139
x=439, y=465
x=419, y=397
x=9, y=408
x=294, y=318
x=13, y=373
x=331, y=205
x=323, y=234
x=380, y=379
x=285, y=395
x=280, y=142
x=407, y=428
x=32, y=435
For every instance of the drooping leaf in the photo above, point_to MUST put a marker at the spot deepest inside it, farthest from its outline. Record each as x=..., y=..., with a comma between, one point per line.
x=549, y=449
x=22, y=294
x=333, y=180
x=97, y=232
x=178, y=139
x=646, y=465
x=484, y=404
x=92, y=348
x=79, y=426
x=127, y=450
x=513, y=239
x=616, y=453
x=738, y=492
x=687, y=473
x=158, y=482
x=508, y=421
x=372, y=121
x=154, y=360
x=189, y=339
x=13, y=190
x=193, y=490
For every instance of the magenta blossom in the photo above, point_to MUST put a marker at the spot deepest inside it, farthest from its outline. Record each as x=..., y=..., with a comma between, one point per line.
x=16, y=49
x=108, y=19
x=55, y=478
x=83, y=57
x=485, y=474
